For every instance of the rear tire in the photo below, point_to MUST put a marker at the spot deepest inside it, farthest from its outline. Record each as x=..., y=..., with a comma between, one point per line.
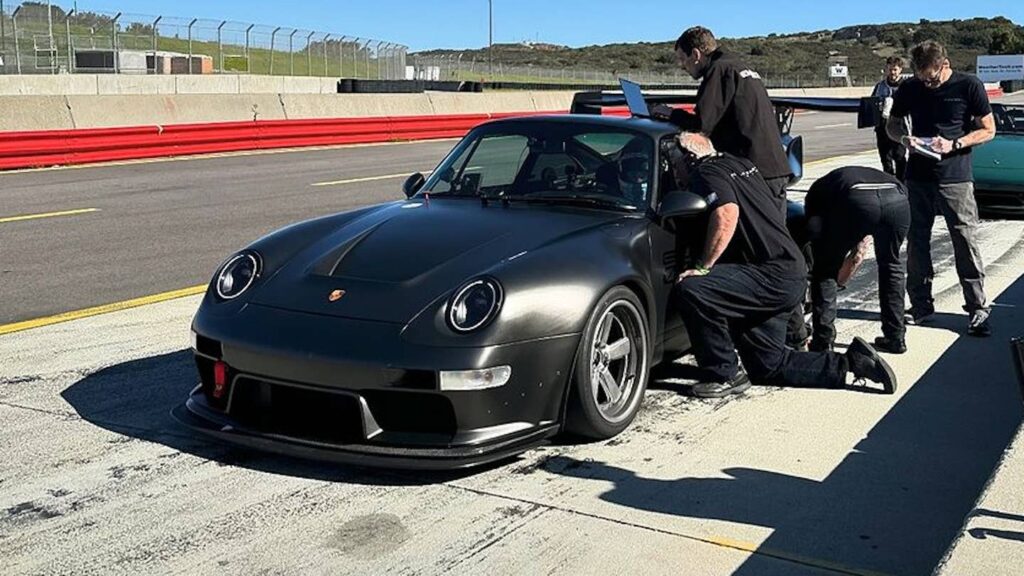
x=611, y=369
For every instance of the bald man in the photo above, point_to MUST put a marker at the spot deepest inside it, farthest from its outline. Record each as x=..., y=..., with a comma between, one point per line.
x=751, y=276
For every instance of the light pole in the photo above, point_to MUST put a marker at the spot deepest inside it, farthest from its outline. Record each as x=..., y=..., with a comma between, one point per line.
x=52, y=50
x=490, y=38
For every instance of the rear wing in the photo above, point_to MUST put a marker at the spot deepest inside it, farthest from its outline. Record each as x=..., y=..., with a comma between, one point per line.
x=867, y=109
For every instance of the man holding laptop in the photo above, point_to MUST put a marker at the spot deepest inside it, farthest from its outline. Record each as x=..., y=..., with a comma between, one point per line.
x=733, y=108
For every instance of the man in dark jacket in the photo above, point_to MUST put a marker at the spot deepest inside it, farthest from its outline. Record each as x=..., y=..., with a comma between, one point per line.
x=742, y=292
x=733, y=108
x=892, y=154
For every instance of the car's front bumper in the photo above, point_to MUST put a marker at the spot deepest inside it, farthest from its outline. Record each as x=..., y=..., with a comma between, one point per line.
x=197, y=415
x=1000, y=199
x=353, y=391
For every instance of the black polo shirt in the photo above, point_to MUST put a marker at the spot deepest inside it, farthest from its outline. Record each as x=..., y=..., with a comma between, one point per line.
x=761, y=236
x=950, y=111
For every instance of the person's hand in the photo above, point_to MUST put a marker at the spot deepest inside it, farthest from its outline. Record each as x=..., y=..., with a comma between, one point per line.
x=660, y=111
x=691, y=273
x=941, y=145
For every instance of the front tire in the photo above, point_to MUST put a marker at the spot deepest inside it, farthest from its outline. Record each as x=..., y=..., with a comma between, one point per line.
x=612, y=367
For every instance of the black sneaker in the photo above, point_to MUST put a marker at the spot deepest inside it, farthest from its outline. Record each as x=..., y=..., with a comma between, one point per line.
x=917, y=315
x=865, y=363
x=890, y=345
x=737, y=385
x=977, y=325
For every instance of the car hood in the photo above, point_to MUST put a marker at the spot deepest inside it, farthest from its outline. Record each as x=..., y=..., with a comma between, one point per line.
x=391, y=263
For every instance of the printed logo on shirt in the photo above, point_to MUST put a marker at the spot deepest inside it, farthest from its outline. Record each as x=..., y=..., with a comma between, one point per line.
x=749, y=74
x=710, y=198
x=744, y=174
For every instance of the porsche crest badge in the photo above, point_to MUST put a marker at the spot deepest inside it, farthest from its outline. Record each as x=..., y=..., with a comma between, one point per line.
x=335, y=295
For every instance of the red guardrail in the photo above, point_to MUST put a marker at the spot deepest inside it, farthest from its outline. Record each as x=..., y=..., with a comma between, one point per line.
x=52, y=147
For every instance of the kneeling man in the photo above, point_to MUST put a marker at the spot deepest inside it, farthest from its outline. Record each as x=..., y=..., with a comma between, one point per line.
x=751, y=277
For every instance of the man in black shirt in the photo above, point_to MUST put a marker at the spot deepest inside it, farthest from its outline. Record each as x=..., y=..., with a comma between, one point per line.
x=733, y=108
x=950, y=113
x=842, y=208
x=752, y=275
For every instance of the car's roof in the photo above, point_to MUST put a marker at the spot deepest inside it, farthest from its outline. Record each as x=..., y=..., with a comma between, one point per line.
x=653, y=128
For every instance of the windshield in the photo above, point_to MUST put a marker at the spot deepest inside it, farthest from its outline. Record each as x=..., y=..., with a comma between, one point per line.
x=537, y=161
x=1009, y=119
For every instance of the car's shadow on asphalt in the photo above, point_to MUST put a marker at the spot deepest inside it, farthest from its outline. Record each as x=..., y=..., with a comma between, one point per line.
x=135, y=399
x=896, y=501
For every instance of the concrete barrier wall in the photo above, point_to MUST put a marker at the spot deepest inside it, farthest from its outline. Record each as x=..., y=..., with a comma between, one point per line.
x=99, y=84
x=130, y=84
x=22, y=113
x=299, y=106
x=147, y=110
x=168, y=100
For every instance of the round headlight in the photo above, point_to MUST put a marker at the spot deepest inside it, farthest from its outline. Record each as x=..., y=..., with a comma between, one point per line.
x=237, y=274
x=474, y=305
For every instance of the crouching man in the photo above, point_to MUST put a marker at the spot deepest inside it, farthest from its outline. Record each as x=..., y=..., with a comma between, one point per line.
x=742, y=293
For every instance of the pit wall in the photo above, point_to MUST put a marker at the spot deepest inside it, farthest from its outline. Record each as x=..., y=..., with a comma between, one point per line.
x=78, y=111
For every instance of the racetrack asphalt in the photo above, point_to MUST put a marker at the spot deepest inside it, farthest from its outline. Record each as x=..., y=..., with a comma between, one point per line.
x=143, y=228
x=96, y=478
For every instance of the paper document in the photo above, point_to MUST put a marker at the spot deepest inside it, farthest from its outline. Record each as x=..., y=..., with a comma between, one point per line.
x=923, y=146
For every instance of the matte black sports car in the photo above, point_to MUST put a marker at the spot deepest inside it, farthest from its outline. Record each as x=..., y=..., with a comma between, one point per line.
x=520, y=291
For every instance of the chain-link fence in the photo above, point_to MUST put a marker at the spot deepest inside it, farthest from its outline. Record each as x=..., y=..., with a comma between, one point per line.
x=38, y=40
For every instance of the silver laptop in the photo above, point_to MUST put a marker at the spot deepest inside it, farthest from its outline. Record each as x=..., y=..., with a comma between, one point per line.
x=634, y=98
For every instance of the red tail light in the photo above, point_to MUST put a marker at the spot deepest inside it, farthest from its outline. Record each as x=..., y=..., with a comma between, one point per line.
x=220, y=379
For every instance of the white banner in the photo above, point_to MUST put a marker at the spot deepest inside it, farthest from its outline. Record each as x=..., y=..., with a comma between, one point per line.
x=838, y=71
x=997, y=68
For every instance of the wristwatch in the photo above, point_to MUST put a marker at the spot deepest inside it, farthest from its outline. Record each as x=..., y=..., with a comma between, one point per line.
x=957, y=144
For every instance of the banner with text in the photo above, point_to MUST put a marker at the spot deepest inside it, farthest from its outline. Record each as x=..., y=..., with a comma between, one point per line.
x=999, y=68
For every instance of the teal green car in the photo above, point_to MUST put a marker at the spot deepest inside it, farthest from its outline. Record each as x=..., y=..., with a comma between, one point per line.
x=999, y=164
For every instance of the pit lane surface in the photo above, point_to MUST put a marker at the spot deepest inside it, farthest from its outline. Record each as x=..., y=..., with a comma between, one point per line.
x=103, y=234
x=96, y=477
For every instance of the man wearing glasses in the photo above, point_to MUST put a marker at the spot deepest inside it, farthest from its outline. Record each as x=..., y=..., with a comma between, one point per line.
x=949, y=113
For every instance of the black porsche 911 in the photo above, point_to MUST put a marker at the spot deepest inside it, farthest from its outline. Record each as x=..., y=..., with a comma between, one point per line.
x=520, y=291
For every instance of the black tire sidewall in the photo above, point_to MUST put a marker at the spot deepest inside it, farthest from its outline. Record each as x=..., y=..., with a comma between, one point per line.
x=583, y=417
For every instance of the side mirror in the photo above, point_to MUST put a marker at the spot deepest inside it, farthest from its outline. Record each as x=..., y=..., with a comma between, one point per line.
x=681, y=203
x=413, y=184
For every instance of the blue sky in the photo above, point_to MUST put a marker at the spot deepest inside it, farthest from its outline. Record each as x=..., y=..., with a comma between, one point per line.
x=463, y=23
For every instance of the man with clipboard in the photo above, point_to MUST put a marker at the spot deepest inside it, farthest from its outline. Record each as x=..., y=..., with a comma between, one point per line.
x=949, y=113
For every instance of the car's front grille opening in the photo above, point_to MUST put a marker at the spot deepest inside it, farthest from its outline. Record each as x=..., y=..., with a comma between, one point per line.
x=417, y=380
x=297, y=412
x=208, y=346
x=413, y=412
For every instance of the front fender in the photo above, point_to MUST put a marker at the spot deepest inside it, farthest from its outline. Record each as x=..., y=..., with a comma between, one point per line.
x=549, y=291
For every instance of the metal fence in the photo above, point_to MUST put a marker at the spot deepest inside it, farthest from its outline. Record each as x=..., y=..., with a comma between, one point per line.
x=455, y=67
x=35, y=40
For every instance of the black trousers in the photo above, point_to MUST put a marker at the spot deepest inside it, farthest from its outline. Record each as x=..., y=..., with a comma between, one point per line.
x=796, y=329
x=892, y=154
x=744, y=308
x=848, y=217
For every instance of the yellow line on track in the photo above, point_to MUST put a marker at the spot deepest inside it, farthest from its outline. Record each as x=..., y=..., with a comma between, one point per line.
x=47, y=215
x=366, y=179
x=788, y=557
x=97, y=310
